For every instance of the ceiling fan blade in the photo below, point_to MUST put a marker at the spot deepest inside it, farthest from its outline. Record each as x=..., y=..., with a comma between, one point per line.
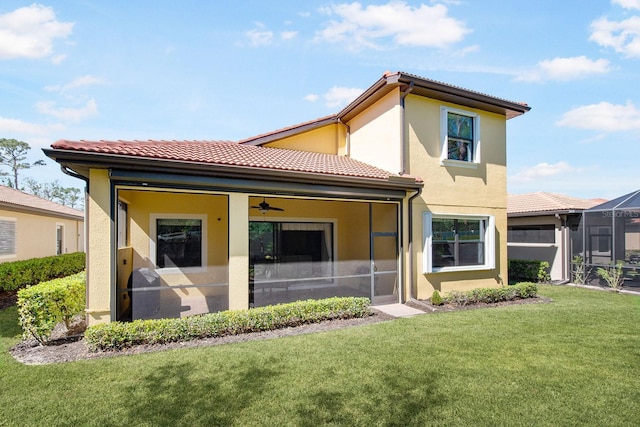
x=264, y=206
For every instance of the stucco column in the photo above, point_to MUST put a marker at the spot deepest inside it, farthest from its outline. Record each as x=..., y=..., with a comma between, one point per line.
x=99, y=248
x=238, y=251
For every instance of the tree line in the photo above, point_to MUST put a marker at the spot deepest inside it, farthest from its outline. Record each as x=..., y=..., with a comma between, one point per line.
x=13, y=154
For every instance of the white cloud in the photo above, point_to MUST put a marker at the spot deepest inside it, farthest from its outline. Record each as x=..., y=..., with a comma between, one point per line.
x=87, y=80
x=338, y=97
x=28, y=32
x=312, y=97
x=622, y=36
x=16, y=126
x=565, y=69
x=627, y=4
x=259, y=36
x=368, y=27
x=542, y=170
x=57, y=59
x=70, y=114
x=601, y=117
x=288, y=35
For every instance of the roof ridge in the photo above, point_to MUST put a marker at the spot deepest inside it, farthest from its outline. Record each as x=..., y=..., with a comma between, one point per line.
x=15, y=197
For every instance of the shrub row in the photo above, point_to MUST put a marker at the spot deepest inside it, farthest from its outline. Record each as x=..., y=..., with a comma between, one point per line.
x=21, y=274
x=492, y=295
x=41, y=307
x=521, y=270
x=117, y=335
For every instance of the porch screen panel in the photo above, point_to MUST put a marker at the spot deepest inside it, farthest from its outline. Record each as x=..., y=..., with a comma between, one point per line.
x=291, y=261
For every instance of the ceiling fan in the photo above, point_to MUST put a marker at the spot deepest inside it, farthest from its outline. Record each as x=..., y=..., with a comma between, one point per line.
x=265, y=207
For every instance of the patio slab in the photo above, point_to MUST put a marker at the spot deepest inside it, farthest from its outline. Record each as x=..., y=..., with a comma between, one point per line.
x=398, y=310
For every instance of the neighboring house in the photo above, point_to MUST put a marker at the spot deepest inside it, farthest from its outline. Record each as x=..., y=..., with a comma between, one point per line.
x=545, y=227
x=401, y=193
x=31, y=227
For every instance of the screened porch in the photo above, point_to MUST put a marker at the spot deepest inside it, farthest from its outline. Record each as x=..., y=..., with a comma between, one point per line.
x=611, y=234
x=174, y=250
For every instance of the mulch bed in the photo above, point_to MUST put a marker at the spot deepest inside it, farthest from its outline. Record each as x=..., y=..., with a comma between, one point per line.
x=8, y=298
x=69, y=346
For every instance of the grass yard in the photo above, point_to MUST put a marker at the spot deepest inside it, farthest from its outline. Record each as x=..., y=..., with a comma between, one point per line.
x=575, y=362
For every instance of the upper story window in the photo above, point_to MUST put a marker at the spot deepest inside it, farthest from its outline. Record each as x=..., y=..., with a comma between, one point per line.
x=460, y=133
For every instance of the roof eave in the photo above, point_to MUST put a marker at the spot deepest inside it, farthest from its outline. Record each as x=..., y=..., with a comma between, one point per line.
x=39, y=211
x=545, y=213
x=431, y=89
x=81, y=162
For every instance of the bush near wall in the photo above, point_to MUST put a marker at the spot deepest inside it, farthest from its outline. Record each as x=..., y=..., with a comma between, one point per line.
x=117, y=335
x=521, y=270
x=41, y=307
x=21, y=274
x=492, y=295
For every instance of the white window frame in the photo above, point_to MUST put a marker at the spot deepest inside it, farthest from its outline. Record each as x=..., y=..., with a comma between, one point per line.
x=60, y=226
x=444, y=138
x=153, y=249
x=15, y=238
x=489, y=243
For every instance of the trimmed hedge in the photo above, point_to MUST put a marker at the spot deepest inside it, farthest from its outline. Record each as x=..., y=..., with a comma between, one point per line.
x=41, y=307
x=117, y=335
x=21, y=274
x=521, y=270
x=492, y=295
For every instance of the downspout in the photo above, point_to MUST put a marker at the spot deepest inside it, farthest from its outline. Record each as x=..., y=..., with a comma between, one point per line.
x=410, y=245
x=347, y=147
x=403, y=171
x=403, y=133
x=65, y=170
x=85, y=238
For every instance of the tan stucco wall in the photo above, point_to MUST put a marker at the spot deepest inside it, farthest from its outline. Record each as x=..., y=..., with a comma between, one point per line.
x=376, y=139
x=375, y=134
x=455, y=190
x=453, y=186
x=239, y=252
x=99, y=271
x=36, y=235
x=459, y=280
x=142, y=204
x=327, y=139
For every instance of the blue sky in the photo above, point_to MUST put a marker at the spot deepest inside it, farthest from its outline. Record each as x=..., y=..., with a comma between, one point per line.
x=90, y=69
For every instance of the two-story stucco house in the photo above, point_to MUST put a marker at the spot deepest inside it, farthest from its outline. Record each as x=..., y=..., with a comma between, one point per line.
x=400, y=193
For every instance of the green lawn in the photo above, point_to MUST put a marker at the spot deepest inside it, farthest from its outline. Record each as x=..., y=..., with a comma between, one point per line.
x=573, y=362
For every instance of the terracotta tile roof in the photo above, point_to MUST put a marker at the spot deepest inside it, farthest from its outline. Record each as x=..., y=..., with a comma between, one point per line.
x=231, y=154
x=18, y=199
x=546, y=202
